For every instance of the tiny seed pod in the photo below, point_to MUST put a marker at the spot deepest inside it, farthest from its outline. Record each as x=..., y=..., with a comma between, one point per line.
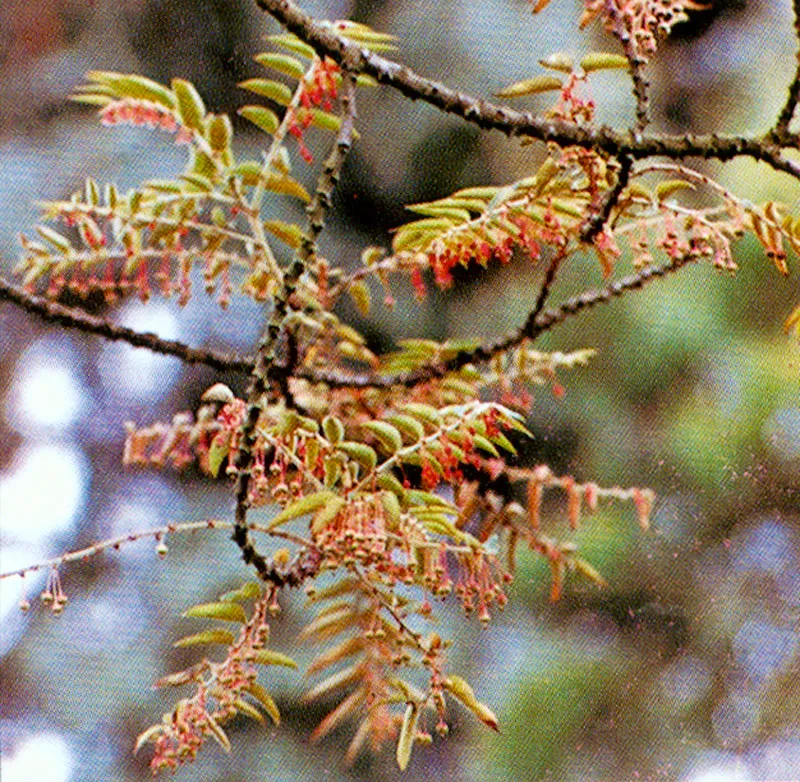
x=161, y=549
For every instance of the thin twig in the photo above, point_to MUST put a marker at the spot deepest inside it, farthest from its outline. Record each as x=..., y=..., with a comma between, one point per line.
x=268, y=371
x=158, y=534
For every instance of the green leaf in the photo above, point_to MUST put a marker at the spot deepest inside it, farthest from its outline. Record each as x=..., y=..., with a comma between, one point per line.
x=279, y=183
x=530, y=87
x=217, y=454
x=127, y=85
x=391, y=505
x=485, y=444
x=333, y=429
x=426, y=498
x=207, y=637
x=303, y=506
x=198, y=182
x=665, y=189
x=365, y=36
x=587, y=570
x=268, y=657
x=163, y=185
x=600, y=61
x=227, y=612
x=250, y=711
x=191, y=109
x=249, y=171
x=455, y=213
x=54, y=238
x=288, y=233
x=92, y=99
x=265, y=699
x=282, y=63
x=506, y=444
x=361, y=453
x=219, y=132
x=274, y=90
x=461, y=690
x=327, y=514
x=325, y=120
x=427, y=414
x=260, y=116
x=560, y=61
x=408, y=732
x=388, y=435
x=218, y=733
x=408, y=426
x=389, y=482
x=293, y=44
x=250, y=590
x=359, y=293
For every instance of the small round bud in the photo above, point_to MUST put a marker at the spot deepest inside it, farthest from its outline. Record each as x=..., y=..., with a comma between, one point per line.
x=219, y=393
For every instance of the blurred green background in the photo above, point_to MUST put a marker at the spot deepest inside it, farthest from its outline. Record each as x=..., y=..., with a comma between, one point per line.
x=687, y=667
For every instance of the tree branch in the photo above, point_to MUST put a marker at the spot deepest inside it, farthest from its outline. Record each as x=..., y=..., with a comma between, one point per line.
x=781, y=129
x=268, y=370
x=514, y=123
x=71, y=317
x=536, y=324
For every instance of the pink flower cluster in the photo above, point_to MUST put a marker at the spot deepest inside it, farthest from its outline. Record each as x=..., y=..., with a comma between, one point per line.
x=131, y=111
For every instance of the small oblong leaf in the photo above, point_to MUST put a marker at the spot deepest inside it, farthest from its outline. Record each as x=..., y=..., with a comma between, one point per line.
x=128, y=85
x=247, y=591
x=266, y=700
x=268, y=657
x=227, y=612
x=274, y=90
x=225, y=637
x=427, y=414
x=359, y=293
x=360, y=452
x=250, y=711
x=293, y=44
x=408, y=732
x=261, y=116
x=534, y=86
x=388, y=435
x=303, y=506
x=408, y=426
x=288, y=233
x=282, y=63
x=485, y=445
x=461, y=690
x=191, y=109
x=218, y=733
x=603, y=61
x=325, y=120
x=665, y=189
x=219, y=132
x=54, y=238
x=327, y=514
x=285, y=185
x=560, y=61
